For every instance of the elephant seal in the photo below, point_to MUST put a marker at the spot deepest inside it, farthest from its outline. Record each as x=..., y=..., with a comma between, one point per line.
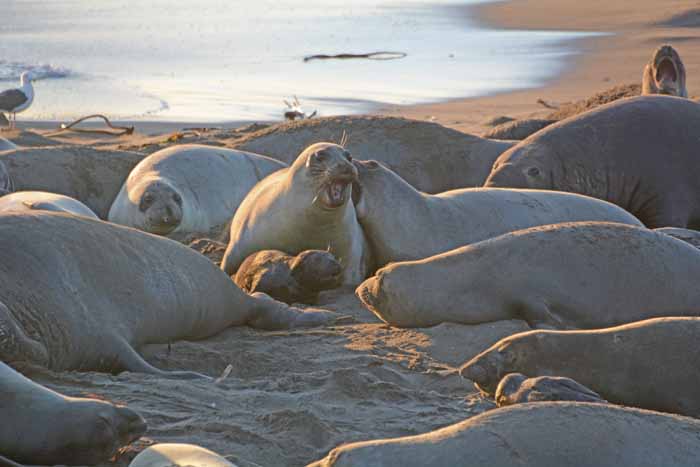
x=304, y=207
x=386, y=204
x=40, y=426
x=6, y=145
x=427, y=155
x=650, y=364
x=288, y=278
x=518, y=129
x=92, y=176
x=547, y=434
x=188, y=189
x=81, y=294
x=665, y=73
x=6, y=185
x=174, y=454
x=689, y=236
x=516, y=388
x=640, y=153
x=586, y=275
x=40, y=200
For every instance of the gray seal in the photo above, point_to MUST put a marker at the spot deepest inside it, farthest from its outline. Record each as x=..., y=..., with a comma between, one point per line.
x=81, y=294
x=578, y=275
x=40, y=426
x=650, y=364
x=176, y=454
x=40, y=200
x=665, y=73
x=547, y=434
x=640, y=153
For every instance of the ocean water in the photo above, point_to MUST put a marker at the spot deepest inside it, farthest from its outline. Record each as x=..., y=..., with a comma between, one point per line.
x=232, y=60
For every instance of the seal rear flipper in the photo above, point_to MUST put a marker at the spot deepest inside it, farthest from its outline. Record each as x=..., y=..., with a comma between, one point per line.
x=130, y=360
x=15, y=345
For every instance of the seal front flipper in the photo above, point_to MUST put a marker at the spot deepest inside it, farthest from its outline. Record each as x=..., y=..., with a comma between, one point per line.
x=15, y=345
x=270, y=314
x=130, y=360
x=538, y=314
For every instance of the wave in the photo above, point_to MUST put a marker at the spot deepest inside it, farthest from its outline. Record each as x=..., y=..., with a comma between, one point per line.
x=10, y=71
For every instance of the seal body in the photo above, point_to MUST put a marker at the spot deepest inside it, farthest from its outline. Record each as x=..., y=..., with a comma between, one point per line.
x=40, y=200
x=427, y=155
x=386, y=205
x=92, y=176
x=304, y=207
x=6, y=184
x=689, y=236
x=44, y=427
x=665, y=73
x=288, y=278
x=516, y=388
x=80, y=294
x=640, y=153
x=188, y=189
x=563, y=276
x=174, y=454
x=6, y=145
x=547, y=434
x=637, y=364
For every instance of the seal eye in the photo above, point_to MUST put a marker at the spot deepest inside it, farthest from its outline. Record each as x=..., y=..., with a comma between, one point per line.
x=177, y=198
x=533, y=172
x=321, y=155
x=347, y=155
x=146, y=201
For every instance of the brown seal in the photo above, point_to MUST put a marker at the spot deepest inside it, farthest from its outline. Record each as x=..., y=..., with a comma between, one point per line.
x=665, y=73
x=288, y=278
x=516, y=388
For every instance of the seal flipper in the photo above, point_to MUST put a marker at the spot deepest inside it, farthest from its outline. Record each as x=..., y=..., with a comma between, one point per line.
x=15, y=345
x=270, y=314
x=539, y=315
x=130, y=360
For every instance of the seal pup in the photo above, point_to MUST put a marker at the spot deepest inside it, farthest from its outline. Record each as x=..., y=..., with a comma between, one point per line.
x=288, y=278
x=40, y=200
x=6, y=184
x=175, y=454
x=92, y=176
x=40, y=426
x=640, y=153
x=587, y=275
x=386, y=205
x=665, y=73
x=516, y=388
x=188, y=189
x=650, y=364
x=429, y=156
x=81, y=294
x=304, y=207
x=546, y=434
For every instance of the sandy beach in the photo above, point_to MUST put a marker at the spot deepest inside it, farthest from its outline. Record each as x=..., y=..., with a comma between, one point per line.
x=294, y=395
x=635, y=29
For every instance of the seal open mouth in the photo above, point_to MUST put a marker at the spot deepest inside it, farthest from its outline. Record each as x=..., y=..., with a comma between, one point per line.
x=335, y=193
x=666, y=71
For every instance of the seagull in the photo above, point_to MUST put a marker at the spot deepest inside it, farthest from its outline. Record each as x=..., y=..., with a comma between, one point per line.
x=19, y=99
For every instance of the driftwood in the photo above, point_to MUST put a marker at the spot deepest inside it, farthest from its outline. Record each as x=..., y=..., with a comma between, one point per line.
x=382, y=55
x=121, y=130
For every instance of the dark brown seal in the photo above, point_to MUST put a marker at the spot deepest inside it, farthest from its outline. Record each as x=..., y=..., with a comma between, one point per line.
x=641, y=153
x=287, y=278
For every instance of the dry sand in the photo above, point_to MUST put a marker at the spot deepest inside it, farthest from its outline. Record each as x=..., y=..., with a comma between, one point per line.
x=292, y=396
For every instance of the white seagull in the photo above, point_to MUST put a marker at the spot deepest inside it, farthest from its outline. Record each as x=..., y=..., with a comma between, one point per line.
x=17, y=100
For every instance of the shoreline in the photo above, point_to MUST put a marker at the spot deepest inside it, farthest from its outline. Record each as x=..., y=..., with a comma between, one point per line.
x=599, y=63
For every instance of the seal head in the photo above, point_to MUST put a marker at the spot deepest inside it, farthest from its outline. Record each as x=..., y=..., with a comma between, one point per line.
x=160, y=204
x=665, y=73
x=331, y=173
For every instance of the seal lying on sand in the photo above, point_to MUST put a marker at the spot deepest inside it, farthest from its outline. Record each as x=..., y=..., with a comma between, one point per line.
x=665, y=73
x=572, y=275
x=188, y=189
x=173, y=455
x=288, y=278
x=650, y=364
x=6, y=185
x=304, y=207
x=40, y=426
x=516, y=388
x=548, y=434
x=386, y=205
x=429, y=156
x=40, y=200
x=80, y=294
x=92, y=176
x=640, y=153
